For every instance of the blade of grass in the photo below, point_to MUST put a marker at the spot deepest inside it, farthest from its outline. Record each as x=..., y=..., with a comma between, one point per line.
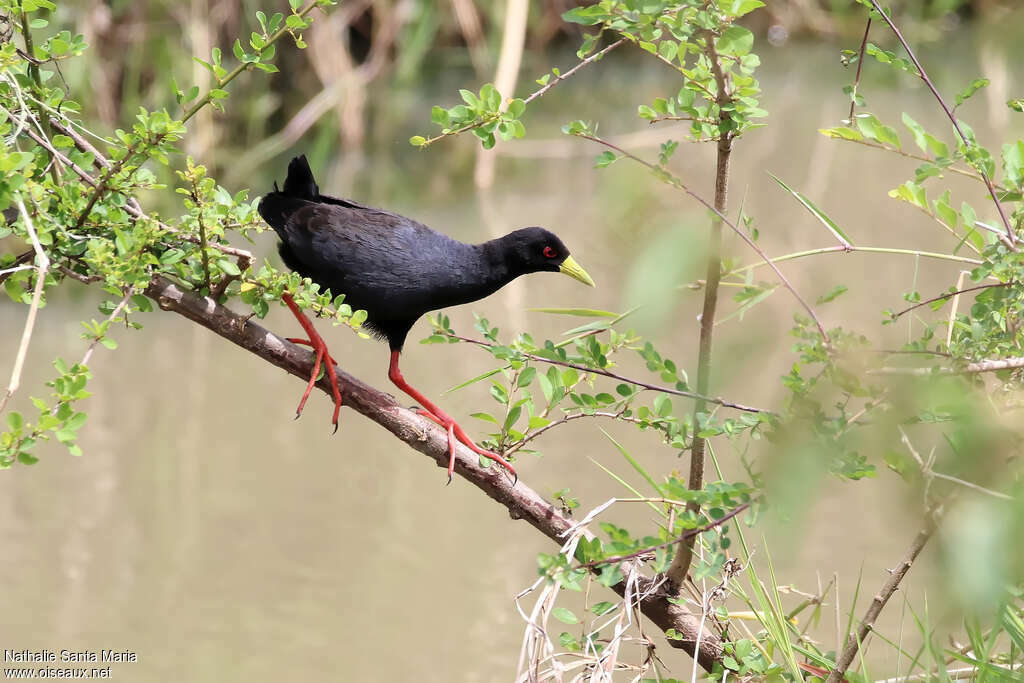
x=585, y=312
x=626, y=484
x=476, y=379
x=817, y=213
x=636, y=465
x=785, y=642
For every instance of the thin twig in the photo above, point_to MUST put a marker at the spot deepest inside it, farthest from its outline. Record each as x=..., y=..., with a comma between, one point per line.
x=42, y=267
x=993, y=365
x=561, y=77
x=860, y=63
x=851, y=249
x=917, y=157
x=117, y=311
x=951, y=294
x=539, y=93
x=605, y=373
x=928, y=473
x=561, y=421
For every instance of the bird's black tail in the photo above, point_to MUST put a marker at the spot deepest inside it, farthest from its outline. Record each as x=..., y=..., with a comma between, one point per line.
x=299, y=187
x=300, y=182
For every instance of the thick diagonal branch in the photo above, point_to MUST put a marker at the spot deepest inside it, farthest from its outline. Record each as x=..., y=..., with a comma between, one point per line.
x=896, y=575
x=423, y=436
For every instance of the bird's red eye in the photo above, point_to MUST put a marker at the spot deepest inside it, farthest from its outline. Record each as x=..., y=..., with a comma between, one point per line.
x=549, y=252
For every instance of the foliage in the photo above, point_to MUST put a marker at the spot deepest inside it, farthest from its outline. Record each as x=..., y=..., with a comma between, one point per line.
x=80, y=206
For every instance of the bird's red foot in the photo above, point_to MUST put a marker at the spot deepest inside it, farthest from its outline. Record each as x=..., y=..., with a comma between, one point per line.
x=432, y=412
x=322, y=357
x=457, y=432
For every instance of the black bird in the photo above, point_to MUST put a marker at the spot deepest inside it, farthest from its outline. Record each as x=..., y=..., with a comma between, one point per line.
x=395, y=269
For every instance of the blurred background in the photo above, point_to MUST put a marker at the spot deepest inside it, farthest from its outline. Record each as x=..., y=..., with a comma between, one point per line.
x=219, y=539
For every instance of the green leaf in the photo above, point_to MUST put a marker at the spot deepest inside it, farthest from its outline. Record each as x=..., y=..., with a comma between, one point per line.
x=925, y=140
x=974, y=86
x=911, y=192
x=583, y=312
x=569, y=642
x=587, y=16
x=516, y=108
x=668, y=49
x=645, y=112
x=738, y=8
x=546, y=387
x=485, y=375
x=15, y=421
x=564, y=615
x=1013, y=163
x=874, y=129
x=836, y=291
x=511, y=418
x=636, y=465
x=606, y=158
x=843, y=133
x=736, y=41
x=817, y=213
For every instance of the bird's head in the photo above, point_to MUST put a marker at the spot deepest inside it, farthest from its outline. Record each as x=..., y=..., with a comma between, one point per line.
x=537, y=249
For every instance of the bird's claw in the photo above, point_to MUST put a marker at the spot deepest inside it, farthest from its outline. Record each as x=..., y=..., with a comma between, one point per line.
x=320, y=356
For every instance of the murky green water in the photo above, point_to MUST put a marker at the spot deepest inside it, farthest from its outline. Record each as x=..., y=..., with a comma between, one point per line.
x=220, y=540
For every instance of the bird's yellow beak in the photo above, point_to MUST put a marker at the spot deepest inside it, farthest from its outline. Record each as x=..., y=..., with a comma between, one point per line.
x=575, y=271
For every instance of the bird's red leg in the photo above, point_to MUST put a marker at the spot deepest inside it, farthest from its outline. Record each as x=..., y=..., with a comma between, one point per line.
x=322, y=355
x=443, y=419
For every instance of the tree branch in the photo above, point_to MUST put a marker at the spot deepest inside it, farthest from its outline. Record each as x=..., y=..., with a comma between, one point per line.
x=680, y=566
x=878, y=602
x=978, y=366
x=427, y=438
x=42, y=267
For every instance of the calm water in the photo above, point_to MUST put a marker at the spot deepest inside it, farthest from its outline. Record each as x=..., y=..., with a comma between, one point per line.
x=220, y=540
